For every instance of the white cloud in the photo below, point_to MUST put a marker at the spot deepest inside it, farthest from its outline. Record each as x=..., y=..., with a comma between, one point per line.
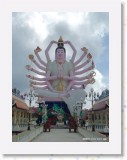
x=99, y=81
x=37, y=23
x=98, y=87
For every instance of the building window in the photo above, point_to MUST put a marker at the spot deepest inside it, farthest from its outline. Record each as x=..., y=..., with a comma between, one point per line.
x=17, y=121
x=89, y=117
x=103, y=117
x=99, y=117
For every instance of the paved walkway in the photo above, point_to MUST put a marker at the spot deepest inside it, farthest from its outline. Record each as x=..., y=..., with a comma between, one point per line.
x=58, y=135
x=63, y=135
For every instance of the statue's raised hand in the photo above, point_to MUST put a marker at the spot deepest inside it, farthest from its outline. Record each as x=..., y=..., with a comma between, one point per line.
x=29, y=76
x=53, y=42
x=84, y=49
x=38, y=49
x=89, y=56
x=28, y=67
x=66, y=42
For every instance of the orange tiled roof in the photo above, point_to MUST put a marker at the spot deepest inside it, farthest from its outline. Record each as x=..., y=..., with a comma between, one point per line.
x=99, y=106
x=21, y=105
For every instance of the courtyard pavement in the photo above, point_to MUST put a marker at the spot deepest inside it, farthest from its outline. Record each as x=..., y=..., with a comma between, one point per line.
x=63, y=135
x=58, y=135
x=89, y=136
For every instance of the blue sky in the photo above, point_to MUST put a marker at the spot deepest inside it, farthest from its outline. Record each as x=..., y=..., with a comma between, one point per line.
x=103, y=65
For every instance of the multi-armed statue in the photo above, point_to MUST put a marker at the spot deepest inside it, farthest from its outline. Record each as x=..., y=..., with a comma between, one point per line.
x=62, y=80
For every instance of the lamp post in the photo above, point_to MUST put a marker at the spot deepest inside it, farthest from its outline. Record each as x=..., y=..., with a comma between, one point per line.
x=92, y=97
x=30, y=97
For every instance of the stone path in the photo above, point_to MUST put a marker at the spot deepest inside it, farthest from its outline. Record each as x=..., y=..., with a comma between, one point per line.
x=58, y=135
x=63, y=135
x=89, y=136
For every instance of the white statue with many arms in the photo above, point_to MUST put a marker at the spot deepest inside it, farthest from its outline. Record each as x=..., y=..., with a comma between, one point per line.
x=61, y=80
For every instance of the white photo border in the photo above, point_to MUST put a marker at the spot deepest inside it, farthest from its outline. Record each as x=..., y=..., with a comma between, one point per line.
x=114, y=144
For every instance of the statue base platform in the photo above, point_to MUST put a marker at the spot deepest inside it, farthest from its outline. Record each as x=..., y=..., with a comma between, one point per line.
x=60, y=124
x=52, y=99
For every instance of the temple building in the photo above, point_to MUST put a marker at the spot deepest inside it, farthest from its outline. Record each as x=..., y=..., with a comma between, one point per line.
x=20, y=113
x=101, y=113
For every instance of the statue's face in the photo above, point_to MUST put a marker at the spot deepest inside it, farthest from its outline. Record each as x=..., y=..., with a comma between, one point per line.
x=60, y=55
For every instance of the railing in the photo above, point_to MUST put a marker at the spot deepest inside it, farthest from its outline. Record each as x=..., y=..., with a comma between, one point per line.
x=98, y=128
x=21, y=127
x=27, y=136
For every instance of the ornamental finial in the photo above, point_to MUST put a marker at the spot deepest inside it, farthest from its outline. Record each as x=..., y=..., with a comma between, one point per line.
x=60, y=42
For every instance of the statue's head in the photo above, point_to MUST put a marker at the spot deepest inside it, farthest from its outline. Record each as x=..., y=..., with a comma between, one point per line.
x=60, y=52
